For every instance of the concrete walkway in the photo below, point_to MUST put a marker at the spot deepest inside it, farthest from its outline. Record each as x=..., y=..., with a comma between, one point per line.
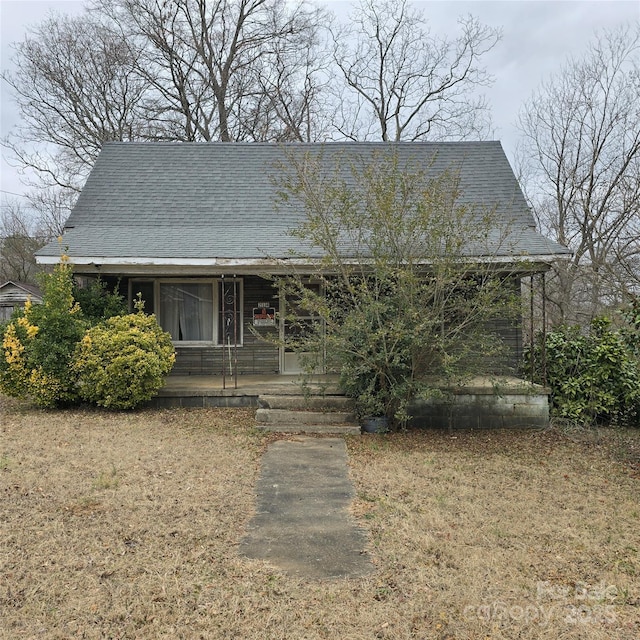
x=302, y=524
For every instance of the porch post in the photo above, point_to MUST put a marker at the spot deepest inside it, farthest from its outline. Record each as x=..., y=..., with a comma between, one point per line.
x=224, y=333
x=531, y=327
x=235, y=332
x=543, y=350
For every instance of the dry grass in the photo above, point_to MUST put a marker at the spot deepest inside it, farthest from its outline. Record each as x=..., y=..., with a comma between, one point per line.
x=126, y=525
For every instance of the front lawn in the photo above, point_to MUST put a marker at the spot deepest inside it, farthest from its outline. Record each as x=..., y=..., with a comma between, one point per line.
x=126, y=525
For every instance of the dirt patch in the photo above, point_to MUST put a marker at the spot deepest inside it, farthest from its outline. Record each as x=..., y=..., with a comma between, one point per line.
x=126, y=525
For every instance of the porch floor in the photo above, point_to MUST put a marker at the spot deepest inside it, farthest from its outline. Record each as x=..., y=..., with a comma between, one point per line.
x=281, y=384
x=274, y=384
x=214, y=391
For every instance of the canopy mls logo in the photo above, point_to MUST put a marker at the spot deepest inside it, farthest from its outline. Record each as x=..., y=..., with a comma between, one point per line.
x=582, y=604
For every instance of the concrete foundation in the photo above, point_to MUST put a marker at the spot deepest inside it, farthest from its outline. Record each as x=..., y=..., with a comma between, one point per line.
x=485, y=404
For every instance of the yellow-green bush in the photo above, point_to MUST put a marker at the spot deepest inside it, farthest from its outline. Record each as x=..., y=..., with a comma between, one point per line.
x=39, y=342
x=123, y=361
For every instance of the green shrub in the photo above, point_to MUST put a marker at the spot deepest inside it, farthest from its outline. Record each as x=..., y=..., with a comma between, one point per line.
x=51, y=357
x=39, y=342
x=123, y=361
x=594, y=377
x=98, y=302
x=631, y=329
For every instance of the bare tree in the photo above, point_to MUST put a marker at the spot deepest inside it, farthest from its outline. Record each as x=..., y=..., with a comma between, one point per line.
x=27, y=226
x=210, y=63
x=582, y=141
x=147, y=70
x=227, y=70
x=50, y=210
x=401, y=82
x=294, y=94
x=19, y=241
x=253, y=70
x=76, y=87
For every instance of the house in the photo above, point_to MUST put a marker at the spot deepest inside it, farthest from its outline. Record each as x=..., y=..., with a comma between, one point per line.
x=194, y=228
x=14, y=295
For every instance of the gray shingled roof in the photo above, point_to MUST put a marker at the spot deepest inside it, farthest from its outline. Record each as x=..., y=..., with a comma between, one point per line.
x=191, y=201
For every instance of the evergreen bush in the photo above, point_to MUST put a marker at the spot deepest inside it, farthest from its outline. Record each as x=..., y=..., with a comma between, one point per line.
x=594, y=376
x=39, y=342
x=124, y=361
x=98, y=302
x=51, y=356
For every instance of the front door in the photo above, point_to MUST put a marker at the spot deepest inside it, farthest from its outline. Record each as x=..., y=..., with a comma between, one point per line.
x=292, y=358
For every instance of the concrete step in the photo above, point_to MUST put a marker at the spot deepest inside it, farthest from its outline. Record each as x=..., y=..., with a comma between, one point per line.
x=310, y=403
x=333, y=429
x=296, y=418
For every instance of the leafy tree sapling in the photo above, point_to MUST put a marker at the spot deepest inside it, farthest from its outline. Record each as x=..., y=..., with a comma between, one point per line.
x=403, y=305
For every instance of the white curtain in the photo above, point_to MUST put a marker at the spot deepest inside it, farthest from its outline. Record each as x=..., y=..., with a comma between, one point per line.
x=186, y=311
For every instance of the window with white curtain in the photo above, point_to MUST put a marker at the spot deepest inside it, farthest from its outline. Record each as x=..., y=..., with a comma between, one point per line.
x=199, y=311
x=186, y=311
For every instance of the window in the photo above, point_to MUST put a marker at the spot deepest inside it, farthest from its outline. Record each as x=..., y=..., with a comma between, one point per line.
x=194, y=311
x=5, y=312
x=146, y=289
x=186, y=311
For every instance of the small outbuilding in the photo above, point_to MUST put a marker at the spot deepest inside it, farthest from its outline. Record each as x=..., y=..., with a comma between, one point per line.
x=14, y=295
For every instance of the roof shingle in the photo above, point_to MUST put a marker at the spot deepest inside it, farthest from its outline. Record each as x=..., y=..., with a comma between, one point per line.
x=190, y=201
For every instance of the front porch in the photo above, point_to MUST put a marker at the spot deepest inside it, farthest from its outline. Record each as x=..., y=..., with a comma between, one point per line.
x=482, y=403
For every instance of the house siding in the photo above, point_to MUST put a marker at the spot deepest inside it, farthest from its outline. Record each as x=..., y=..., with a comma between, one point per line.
x=510, y=332
x=509, y=362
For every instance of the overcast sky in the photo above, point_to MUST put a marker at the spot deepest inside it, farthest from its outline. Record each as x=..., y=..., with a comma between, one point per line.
x=538, y=37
